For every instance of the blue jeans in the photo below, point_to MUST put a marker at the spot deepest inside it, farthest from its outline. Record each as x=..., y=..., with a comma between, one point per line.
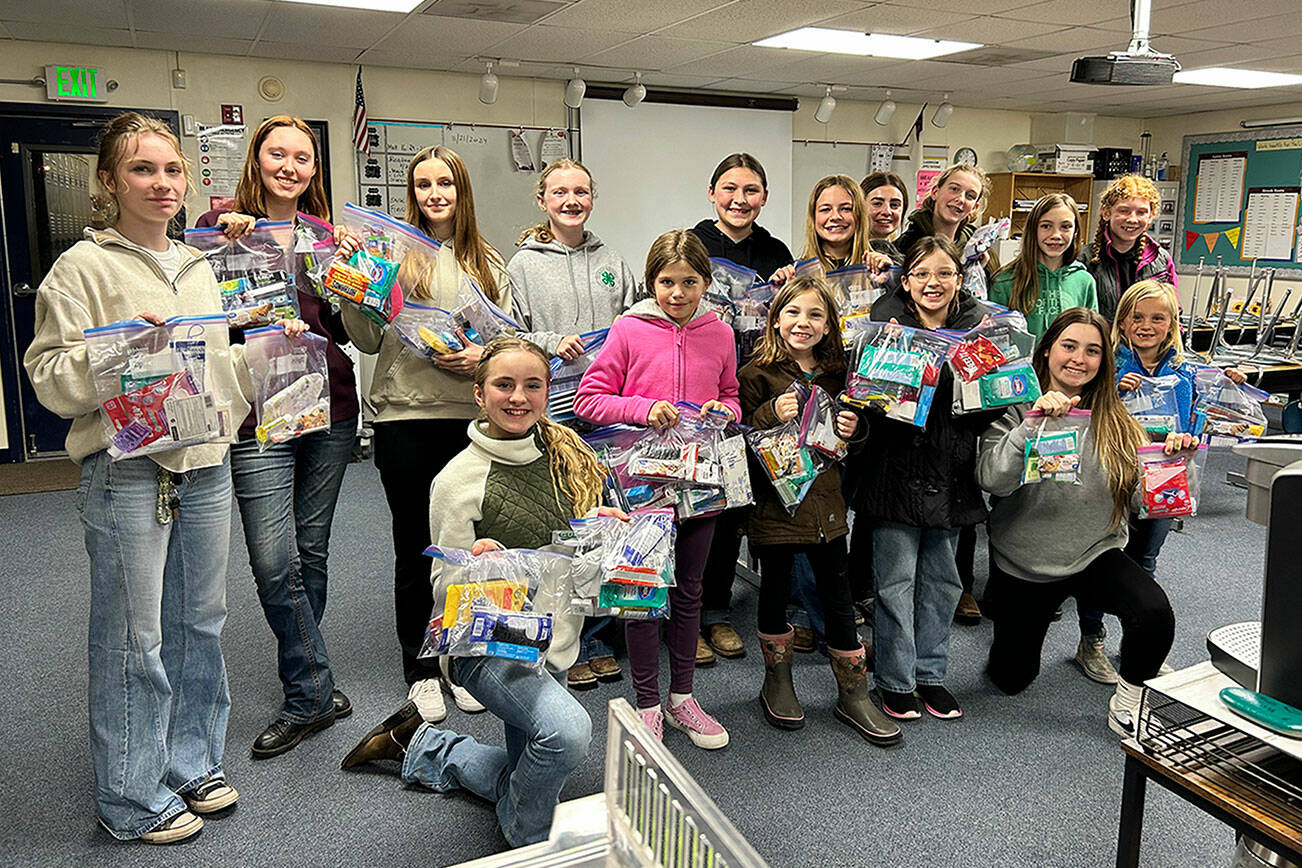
x=287, y=498
x=547, y=736
x=805, y=609
x=157, y=681
x=592, y=641
x=917, y=591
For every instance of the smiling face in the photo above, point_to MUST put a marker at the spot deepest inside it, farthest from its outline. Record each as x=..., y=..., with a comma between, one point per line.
x=1148, y=325
x=737, y=197
x=678, y=291
x=1127, y=220
x=885, y=210
x=834, y=217
x=436, y=195
x=802, y=324
x=567, y=200
x=932, y=282
x=955, y=201
x=148, y=183
x=1074, y=358
x=514, y=394
x=1054, y=233
x=286, y=163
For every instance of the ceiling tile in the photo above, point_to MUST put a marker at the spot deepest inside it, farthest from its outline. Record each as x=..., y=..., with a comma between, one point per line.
x=989, y=30
x=631, y=16
x=972, y=7
x=848, y=69
x=658, y=52
x=1239, y=55
x=1202, y=14
x=111, y=14
x=746, y=61
x=747, y=85
x=181, y=42
x=556, y=44
x=327, y=25
x=749, y=20
x=236, y=19
x=304, y=51
x=69, y=33
x=1065, y=12
x=426, y=38
x=1247, y=31
x=1072, y=39
x=898, y=19
x=682, y=82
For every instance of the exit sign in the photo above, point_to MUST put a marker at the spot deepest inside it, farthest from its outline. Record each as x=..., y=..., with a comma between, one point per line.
x=75, y=84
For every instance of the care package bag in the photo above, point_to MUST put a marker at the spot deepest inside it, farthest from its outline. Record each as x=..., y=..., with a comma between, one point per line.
x=291, y=384
x=254, y=272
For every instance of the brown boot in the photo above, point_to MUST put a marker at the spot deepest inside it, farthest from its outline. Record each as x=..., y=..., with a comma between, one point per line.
x=388, y=739
x=854, y=707
x=778, y=695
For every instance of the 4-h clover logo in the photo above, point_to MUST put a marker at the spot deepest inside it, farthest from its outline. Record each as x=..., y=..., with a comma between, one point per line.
x=608, y=277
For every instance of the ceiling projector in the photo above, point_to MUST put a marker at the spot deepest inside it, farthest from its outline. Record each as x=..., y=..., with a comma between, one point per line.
x=1138, y=64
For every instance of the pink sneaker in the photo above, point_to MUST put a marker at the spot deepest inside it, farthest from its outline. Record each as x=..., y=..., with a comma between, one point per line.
x=703, y=730
x=654, y=720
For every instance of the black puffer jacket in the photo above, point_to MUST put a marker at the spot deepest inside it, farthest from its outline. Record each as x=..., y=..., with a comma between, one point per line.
x=924, y=477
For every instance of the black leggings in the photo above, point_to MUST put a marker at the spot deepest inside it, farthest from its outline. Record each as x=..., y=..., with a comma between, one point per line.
x=828, y=562
x=1111, y=582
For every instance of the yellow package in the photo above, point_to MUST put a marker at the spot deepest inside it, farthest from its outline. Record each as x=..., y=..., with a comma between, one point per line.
x=502, y=593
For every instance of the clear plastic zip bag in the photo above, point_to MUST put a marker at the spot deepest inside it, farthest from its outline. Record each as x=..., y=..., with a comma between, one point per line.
x=1170, y=483
x=750, y=318
x=974, y=273
x=790, y=467
x=291, y=384
x=995, y=342
x=499, y=604
x=895, y=369
x=1155, y=404
x=478, y=317
x=566, y=374
x=687, y=453
x=392, y=254
x=605, y=547
x=729, y=280
x=613, y=444
x=1052, y=452
x=314, y=240
x=855, y=289
x=427, y=331
x=152, y=386
x=1225, y=412
x=817, y=416
x=1015, y=383
x=255, y=272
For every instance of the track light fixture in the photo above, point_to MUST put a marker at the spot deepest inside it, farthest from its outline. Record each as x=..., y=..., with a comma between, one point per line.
x=575, y=88
x=885, y=110
x=944, y=112
x=826, y=106
x=488, y=85
x=636, y=91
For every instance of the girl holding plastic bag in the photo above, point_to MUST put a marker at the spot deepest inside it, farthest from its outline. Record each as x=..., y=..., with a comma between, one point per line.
x=292, y=487
x=802, y=344
x=668, y=349
x=917, y=489
x=1046, y=278
x=1051, y=541
x=157, y=526
x=886, y=199
x=564, y=280
x=521, y=478
x=836, y=231
x=422, y=405
x=738, y=190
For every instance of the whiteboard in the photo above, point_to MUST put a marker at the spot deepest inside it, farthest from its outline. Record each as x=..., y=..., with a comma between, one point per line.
x=652, y=165
x=504, y=199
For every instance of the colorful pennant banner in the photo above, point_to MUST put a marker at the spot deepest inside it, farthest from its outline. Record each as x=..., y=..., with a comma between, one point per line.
x=1231, y=235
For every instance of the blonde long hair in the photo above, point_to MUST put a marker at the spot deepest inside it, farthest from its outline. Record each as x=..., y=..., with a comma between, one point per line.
x=573, y=465
x=928, y=201
x=830, y=354
x=543, y=231
x=1143, y=291
x=250, y=196
x=1117, y=436
x=1026, y=268
x=474, y=254
x=814, y=244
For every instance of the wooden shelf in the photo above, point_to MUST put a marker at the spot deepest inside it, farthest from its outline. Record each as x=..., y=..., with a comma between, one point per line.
x=1007, y=187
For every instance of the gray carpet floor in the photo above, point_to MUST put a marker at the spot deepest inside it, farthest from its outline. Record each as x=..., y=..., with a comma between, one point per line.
x=1033, y=780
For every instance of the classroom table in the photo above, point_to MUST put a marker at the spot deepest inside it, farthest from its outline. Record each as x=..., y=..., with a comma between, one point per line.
x=1244, y=334
x=1228, y=801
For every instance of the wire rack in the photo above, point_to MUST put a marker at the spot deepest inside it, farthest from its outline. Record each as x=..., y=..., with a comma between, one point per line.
x=1235, y=762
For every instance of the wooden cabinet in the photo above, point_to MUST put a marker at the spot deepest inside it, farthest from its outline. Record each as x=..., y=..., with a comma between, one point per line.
x=1013, y=194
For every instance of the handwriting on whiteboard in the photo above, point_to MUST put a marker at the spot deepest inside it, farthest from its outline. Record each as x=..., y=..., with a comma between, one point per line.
x=466, y=137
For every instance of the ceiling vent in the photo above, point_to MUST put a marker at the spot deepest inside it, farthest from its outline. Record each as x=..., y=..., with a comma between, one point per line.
x=996, y=55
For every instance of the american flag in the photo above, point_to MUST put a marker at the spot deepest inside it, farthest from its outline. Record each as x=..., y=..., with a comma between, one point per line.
x=361, y=140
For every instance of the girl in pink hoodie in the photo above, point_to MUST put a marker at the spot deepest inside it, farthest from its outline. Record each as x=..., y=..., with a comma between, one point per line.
x=665, y=350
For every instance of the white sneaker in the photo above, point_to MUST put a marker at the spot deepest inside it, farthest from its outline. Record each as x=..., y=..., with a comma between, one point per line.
x=428, y=696
x=1123, y=708
x=464, y=700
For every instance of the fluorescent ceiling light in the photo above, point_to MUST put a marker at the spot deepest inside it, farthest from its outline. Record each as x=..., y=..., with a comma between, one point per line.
x=1225, y=76
x=826, y=39
x=369, y=5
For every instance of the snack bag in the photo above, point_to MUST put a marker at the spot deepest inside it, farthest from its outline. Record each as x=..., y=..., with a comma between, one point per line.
x=427, y=331
x=255, y=272
x=478, y=317
x=613, y=445
x=498, y=604
x=896, y=369
x=854, y=289
x=818, y=422
x=1155, y=405
x=1169, y=482
x=1015, y=383
x=151, y=383
x=1224, y=412
x=730, y=280
x=566, y=374
x=392, y=254
x=1052, y=452
x=751, y=314
x=974, y=273
x=314, y=240
x=790, y=467
x=685, y=453
x=291, y=384
x=995, y=342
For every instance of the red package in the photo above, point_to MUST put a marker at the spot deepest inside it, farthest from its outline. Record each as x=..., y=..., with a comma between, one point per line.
x=145, y=406
x=976, y=357
x=1166, y=491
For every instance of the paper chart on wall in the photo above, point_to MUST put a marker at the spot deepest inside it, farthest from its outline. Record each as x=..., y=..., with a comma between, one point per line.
x=1270, y=223
x=554, y=146
x=221, y=158
x=1218, y=193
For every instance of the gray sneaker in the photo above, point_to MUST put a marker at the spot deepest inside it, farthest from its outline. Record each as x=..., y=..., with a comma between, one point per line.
x=1093, y=660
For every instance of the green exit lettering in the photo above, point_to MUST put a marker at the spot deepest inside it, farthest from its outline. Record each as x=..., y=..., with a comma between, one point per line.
x=73, y=83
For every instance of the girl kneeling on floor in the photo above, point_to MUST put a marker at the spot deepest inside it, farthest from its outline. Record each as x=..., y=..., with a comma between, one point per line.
x=1051, y=541
x=479, y=501
x=803, y=343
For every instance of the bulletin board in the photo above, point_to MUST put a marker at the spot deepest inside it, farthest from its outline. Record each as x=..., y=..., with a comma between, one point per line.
x=1240, y=200
x=505, y=204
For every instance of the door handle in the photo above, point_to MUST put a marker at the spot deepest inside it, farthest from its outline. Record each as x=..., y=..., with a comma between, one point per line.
x=23, y=290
